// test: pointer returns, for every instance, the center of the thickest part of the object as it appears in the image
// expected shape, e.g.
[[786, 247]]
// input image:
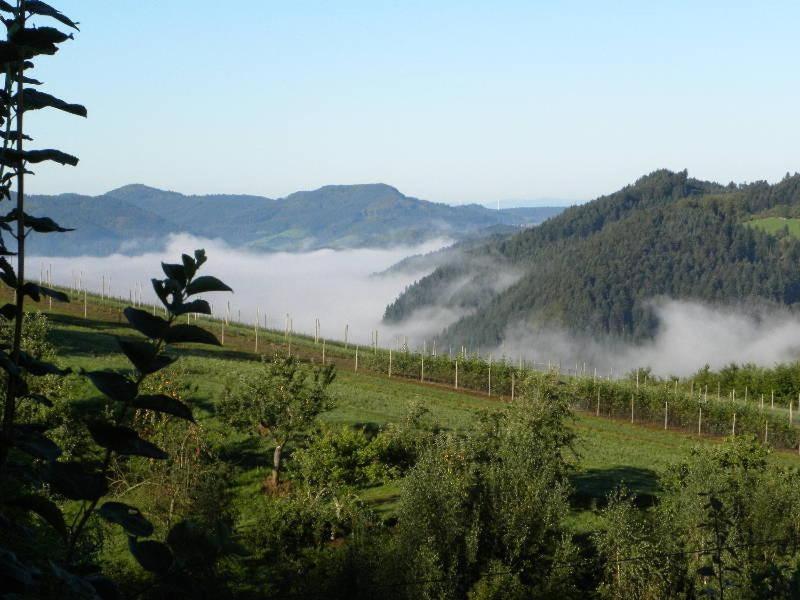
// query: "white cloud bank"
[[334, 286], [337, 288], [690, 335]]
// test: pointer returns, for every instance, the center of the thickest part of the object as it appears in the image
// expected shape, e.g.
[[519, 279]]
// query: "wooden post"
[[790, 413], [597, 413], [490, 376], [356, 359], [346, 328], [256, 330], [772, 399], [390, 361], [84, 304], [733, 430], [665, 415], [631, 408], [700, 422], [222, 337], [456, 386], [512, 386], [766, 430], [762, 403], [637, 379], [422, 367]]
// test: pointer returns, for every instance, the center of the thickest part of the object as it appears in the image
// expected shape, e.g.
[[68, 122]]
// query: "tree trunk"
[[276, 465]]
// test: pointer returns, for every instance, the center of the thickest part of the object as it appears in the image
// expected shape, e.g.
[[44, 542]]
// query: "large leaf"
[[195, 306], [62, 158], [37, 7], [35, 100], [164, 404], [38, 368], [191, 334], [30, 440], [114, 385], [124, 440], [151, 555], [189, 266], [206, 283], [128, 517], [45, 508], [8, 311], [141, 355], [149, 325], [41, 224], [176, 272], [36, 36], [37, 291], [72, 480]]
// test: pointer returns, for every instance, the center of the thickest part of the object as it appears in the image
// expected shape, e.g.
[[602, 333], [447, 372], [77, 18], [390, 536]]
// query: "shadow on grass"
[[592, 487], [247, 453]]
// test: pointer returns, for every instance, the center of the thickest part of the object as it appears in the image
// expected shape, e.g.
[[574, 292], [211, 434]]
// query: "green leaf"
[[149, 325], [36, 7], [141, 355], [151, 555], [176, 272], [189, 266], [72, 480], [30, 440], [190, 334], [124, 440], [204, 284], [128, 517], [115, 386], [8, 365], [45, 508], [35, 100], [13, 158], [164, 404], [200, 257], [195, 306], [8, 311], [38, 368], [40, 38], [37, 291]]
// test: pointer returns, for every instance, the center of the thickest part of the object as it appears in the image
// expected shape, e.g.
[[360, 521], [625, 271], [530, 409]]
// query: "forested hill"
[[596, 268], [135, 217]]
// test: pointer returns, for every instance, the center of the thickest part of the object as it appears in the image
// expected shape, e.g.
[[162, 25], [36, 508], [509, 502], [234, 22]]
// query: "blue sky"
[[447, 100]]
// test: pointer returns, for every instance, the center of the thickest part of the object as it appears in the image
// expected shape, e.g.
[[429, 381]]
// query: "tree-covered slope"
[[342, 216], [597, 268]]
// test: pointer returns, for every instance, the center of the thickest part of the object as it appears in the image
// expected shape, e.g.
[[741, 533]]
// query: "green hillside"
[[595, 268], [134, 218]]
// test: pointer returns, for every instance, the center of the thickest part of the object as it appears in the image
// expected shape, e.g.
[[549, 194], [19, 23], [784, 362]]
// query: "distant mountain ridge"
[[132, 218]]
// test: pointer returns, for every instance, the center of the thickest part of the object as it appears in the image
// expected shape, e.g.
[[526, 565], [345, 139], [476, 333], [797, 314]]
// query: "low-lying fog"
[[338, 288], [334, 286]]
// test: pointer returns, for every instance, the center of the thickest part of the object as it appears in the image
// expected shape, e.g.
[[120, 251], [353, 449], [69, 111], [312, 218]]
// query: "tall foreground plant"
[[24, 42], [32, 478]]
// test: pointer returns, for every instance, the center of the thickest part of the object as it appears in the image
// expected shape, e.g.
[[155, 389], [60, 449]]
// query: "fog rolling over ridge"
[[339, 288], [689, 336]]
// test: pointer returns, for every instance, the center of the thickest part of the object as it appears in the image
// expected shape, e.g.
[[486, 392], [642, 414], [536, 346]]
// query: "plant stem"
[[9, 409]]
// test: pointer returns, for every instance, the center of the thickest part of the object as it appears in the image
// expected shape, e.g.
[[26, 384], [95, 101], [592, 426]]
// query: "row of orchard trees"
[[674, 406]]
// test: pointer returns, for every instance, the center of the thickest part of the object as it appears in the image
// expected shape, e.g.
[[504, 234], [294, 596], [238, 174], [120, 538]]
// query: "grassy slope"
[[775, 224], [608, 451]]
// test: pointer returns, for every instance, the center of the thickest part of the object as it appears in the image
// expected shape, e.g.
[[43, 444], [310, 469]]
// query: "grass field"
[[607, 452], [775, 224]]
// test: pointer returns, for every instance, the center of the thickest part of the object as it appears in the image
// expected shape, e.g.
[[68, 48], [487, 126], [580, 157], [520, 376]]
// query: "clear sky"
[[446, 100]]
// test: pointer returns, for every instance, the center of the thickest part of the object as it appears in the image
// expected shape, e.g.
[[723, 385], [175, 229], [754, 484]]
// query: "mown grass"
[[773, 225], [608, 453]]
